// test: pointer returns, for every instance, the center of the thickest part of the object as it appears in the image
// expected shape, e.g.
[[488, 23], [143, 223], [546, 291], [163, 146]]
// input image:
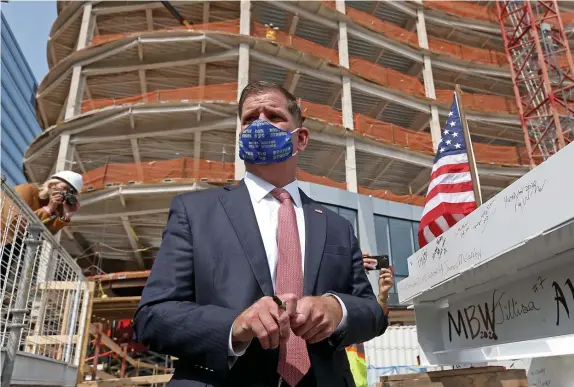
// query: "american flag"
[[450, 195]]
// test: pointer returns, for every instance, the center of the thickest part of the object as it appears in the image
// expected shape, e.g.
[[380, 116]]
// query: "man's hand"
[[316, 318], [386, 281], [266, 321]]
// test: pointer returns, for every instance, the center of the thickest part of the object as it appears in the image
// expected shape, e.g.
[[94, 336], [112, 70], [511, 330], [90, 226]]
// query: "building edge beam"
[[242, 76]]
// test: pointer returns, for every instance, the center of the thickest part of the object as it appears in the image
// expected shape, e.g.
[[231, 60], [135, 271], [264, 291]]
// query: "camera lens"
[[70, 198]]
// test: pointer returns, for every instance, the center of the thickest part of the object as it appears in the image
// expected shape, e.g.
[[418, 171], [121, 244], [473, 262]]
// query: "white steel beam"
[[127, 8], [167, 63], [110, 193], [226, 123]]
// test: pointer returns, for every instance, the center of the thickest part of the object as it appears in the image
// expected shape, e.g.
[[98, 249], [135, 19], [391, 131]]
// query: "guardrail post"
[[96, 350], [123, 368], [20, 308]]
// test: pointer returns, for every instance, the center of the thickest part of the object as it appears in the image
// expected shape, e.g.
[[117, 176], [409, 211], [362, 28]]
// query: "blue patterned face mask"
[[264, 143]]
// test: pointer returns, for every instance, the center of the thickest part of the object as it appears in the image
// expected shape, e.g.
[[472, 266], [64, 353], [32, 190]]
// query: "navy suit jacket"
[[212, 265]]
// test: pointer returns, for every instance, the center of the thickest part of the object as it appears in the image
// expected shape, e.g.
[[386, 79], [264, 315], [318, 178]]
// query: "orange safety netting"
[[395, 32], [198, 93], [366, 126], [408, 84], [214, 172]]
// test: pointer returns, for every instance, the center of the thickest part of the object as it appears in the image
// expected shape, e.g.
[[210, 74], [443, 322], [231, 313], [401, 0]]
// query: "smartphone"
[[382, 261]]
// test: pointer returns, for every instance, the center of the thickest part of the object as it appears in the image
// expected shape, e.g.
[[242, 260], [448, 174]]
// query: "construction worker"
[[54, 202]]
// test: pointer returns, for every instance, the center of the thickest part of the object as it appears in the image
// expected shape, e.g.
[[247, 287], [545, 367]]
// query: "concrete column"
[[64, 160], [428, 78], [347, 105], [196, 153], [242, 77], [78, 81]]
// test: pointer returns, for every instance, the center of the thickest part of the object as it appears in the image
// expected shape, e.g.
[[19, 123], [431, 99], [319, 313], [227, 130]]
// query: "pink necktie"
[[294, 360]]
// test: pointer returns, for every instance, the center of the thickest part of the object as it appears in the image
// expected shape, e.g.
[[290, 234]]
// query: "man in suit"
[[256, 284]]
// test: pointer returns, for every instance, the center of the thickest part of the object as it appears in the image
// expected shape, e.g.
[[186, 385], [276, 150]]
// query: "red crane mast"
[[542, 72]]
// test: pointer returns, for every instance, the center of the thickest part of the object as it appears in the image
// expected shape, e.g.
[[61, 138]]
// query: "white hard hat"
[[73, 179]]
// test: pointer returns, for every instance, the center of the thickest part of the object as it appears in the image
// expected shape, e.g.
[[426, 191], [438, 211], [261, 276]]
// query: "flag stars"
[[450, 114], [441, 150], [446, 132], [457, 146], [448, 142], [452, 123], [455, 134]]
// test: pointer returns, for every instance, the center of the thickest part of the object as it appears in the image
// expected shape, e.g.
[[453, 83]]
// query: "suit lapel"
[[315, 235], [237, 205]]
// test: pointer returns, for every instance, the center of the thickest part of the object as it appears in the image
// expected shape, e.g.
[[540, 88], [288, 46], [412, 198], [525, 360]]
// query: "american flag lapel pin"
[[318, 211]]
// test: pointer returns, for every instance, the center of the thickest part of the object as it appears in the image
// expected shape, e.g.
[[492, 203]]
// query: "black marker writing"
[[560, 299], [440, 248], [481, 319], [519, 198]]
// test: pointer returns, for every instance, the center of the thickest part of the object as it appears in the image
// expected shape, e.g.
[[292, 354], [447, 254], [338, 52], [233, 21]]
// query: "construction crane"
[[542, 72]]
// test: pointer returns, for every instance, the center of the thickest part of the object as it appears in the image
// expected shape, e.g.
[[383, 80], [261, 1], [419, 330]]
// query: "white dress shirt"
[[266, 209]]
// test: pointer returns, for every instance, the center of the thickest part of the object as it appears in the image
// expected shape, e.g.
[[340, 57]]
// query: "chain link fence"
[[45, 297]]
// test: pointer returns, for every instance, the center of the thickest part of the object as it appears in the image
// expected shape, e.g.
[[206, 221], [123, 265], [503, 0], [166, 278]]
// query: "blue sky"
[[31, 21]]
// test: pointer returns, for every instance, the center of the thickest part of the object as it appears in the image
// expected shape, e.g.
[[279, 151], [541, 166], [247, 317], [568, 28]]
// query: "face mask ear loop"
[[295, 131]]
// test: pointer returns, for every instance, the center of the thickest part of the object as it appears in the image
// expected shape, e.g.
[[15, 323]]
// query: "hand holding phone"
[[382, 262]]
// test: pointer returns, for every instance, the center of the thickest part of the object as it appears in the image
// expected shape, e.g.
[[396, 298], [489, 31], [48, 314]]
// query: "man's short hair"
[[262, 87]]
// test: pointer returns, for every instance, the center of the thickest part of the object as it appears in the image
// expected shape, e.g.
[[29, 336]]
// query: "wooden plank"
[[442, 374], [468, 377], [118, 350], [86, 337], [49, 339], [136, 380], [509, 378], [87, 369], [57, 285]]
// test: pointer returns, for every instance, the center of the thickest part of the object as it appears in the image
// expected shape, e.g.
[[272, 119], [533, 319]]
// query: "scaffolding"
[[45, 297], [542, 72]]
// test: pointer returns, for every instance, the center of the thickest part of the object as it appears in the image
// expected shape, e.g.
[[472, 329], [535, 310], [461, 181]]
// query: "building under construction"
[[141, 98]]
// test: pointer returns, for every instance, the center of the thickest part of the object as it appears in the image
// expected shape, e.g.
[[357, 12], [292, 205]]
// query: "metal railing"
[[45, 297]]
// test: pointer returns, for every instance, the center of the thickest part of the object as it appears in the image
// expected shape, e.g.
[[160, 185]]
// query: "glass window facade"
[[397, 238], [347, 213], [19, 125]]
